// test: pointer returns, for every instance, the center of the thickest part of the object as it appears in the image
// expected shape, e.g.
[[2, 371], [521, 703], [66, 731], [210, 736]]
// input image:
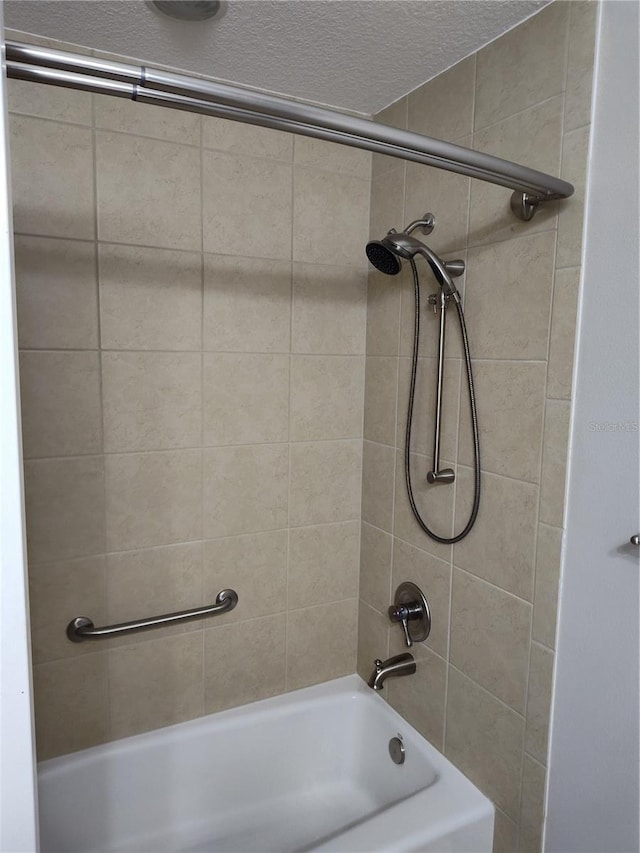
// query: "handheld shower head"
[[384, 255]]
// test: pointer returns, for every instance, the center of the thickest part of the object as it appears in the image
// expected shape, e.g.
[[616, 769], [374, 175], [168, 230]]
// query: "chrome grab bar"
[[82, 628]]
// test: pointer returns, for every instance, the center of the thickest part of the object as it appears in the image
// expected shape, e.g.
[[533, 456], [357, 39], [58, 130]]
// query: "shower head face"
[[383, 258]]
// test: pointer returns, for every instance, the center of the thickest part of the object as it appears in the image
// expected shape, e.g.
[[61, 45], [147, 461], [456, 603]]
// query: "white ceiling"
[[356, 55]]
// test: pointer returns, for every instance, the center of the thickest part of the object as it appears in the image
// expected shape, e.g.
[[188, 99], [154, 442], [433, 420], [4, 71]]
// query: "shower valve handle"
[[411, 606], [402, 613]]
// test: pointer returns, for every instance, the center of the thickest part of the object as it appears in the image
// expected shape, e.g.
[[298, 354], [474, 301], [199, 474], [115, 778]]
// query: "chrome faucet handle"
[[410, 605]]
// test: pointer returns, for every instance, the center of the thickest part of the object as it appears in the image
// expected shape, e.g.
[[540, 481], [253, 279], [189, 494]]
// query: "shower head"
[[384, 255], [383, 258]]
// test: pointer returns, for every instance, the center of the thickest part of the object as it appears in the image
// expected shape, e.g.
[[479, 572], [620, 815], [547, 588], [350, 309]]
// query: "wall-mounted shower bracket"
[[524, 205], [455, 268]]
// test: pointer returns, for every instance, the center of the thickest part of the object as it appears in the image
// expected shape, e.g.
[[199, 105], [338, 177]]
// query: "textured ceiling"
[[357, 55]]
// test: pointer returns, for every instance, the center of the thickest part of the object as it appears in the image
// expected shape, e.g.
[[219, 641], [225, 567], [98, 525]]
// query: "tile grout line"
[[289, 413], [458, 432], [96, 263], [203, 665]]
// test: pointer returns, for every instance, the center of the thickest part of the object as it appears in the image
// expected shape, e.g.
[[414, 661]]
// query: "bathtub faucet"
[[399, 665]]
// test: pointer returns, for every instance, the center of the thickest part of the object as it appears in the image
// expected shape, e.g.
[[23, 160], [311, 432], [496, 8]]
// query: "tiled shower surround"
[[193, 324], [192, 361], [483, 684]]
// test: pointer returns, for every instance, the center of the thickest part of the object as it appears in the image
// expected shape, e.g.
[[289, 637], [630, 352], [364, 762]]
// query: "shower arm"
[[198, 95]]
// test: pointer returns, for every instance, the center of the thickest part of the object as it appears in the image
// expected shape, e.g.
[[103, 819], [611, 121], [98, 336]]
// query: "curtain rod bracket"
[[524, 205]]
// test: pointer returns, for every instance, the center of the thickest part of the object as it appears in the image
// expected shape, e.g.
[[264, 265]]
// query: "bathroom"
[[213, 393]]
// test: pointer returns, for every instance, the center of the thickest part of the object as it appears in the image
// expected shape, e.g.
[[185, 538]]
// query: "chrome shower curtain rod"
[[193, 94]]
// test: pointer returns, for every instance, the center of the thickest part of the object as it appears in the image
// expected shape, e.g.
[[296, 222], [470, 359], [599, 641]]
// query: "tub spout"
[[399, 665]]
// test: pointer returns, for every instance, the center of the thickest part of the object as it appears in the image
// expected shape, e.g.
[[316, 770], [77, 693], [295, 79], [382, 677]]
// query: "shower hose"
[[474, 420]]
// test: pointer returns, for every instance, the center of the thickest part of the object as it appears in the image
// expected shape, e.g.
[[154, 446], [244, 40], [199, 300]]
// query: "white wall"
[[593, 774], [18, 824]]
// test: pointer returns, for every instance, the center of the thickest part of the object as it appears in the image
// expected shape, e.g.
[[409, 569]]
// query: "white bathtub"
[[306, 771]]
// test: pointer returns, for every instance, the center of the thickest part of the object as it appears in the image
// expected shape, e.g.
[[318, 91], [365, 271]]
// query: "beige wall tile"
[[443, 107], [155, 684], [329, 310], [375, 567], [563, 328], [69, 105], [508, 311], [545, 602], [554, 461], [245, 489], [154, 581], [255, 566], [52, 178], [582, 40], [484, 739], [435, 504], [395, 115], [532, 807], [433, 576], [152, 400], [510, 404], [323, 564], [331, 214], [325, 482], [60, 398], [148, 120], [70, 697], [532, 137], [240, 139], [321, 643], [246, 398], [134, 206], [247, 304], [58, 592], [150, 299], [64, 501], [56, 293], [153, 498], [387, 201], [490, 632], [539, 702], [424, 407], [332, 157], [524, 67], [373, 639], [500, 547], [383, 314], [381, 390], [246, 206], [326, 397], [378, 465], [256, 649], [446, 195], [420, 698], [570, 221], [505, 834]]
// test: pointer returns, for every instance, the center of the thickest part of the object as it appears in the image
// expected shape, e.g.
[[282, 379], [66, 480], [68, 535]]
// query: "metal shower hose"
[[474, 420]]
